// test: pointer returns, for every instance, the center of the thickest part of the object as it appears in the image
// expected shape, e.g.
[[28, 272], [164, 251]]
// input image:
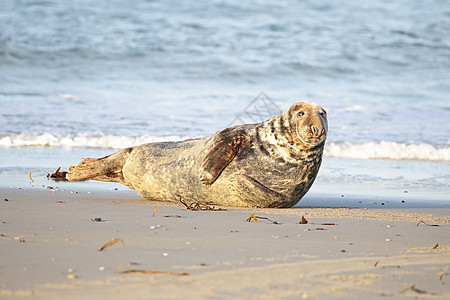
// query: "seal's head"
[[308, 124]]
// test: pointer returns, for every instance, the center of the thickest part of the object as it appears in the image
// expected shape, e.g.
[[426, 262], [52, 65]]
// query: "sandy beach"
[[50, 245]]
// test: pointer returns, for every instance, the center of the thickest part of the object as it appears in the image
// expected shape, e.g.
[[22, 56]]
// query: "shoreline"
[[50, 248]]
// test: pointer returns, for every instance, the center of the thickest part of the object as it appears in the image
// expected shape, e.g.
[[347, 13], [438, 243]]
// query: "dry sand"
[[49, 248]]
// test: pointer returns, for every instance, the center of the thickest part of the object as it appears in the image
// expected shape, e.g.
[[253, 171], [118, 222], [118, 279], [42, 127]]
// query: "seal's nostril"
[[314, 130]]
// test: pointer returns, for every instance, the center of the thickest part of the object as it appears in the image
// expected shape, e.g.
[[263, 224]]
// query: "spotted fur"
[[269, 164]]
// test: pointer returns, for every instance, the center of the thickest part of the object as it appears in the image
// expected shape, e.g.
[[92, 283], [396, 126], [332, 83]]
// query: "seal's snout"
[[315, 131]]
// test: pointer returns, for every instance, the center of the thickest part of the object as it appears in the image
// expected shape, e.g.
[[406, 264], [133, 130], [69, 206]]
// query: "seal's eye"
[[322, 114], [301, 113]]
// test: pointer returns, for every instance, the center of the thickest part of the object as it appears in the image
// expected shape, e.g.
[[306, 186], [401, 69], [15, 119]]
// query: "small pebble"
[[6, 199], [101, 268], [96, 219], [165, 254], [72, 276], [387, 240]]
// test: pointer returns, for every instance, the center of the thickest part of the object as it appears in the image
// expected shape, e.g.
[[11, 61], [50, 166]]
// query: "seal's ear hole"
[[301, 113]]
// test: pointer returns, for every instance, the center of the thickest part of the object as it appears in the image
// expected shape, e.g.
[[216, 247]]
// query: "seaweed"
[[136, 271], [110, 243], [255, 218], [303, 220], [426, 224], [199, 205], [57, 175]]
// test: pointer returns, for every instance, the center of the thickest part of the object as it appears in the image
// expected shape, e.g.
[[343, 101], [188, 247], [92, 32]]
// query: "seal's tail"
[[108, 168]]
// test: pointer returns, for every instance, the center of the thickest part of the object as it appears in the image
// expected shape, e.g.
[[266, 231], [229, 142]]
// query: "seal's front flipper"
[[96, 168], [226, 145], [256, 194]]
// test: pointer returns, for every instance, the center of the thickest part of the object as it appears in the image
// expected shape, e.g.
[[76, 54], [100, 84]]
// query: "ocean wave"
[[388, 150], [81, 140], [369, 150]]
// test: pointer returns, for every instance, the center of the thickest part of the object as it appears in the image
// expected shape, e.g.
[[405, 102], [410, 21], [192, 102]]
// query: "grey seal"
[[268, 164]]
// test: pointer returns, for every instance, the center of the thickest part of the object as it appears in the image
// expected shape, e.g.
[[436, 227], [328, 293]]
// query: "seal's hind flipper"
[[96, 168], [227, 143], [257, 195]]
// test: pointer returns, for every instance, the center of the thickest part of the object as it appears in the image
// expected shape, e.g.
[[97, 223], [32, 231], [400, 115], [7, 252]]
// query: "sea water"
[[84, 78]]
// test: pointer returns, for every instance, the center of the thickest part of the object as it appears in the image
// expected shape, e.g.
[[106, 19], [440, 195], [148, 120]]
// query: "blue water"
[[85, 77]]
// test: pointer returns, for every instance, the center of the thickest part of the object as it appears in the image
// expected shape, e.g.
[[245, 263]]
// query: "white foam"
[[81, 140], [370, 150], [388, 150]]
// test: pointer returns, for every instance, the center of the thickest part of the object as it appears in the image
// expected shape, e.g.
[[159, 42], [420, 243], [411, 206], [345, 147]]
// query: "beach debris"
[[57, 175], [172, 216], [303, 220], [426, 224], [72, 276], [252, 216], [199, 205], [96, 219], [5, 200], [391, 266], [153, 272], [318, 228], [376, 263], [19, 239], [32, 180], [59, 201], [154, 211], [435, 246], [328, 224], [137, 271], [255, 218], [414, 289], [110, 243]]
